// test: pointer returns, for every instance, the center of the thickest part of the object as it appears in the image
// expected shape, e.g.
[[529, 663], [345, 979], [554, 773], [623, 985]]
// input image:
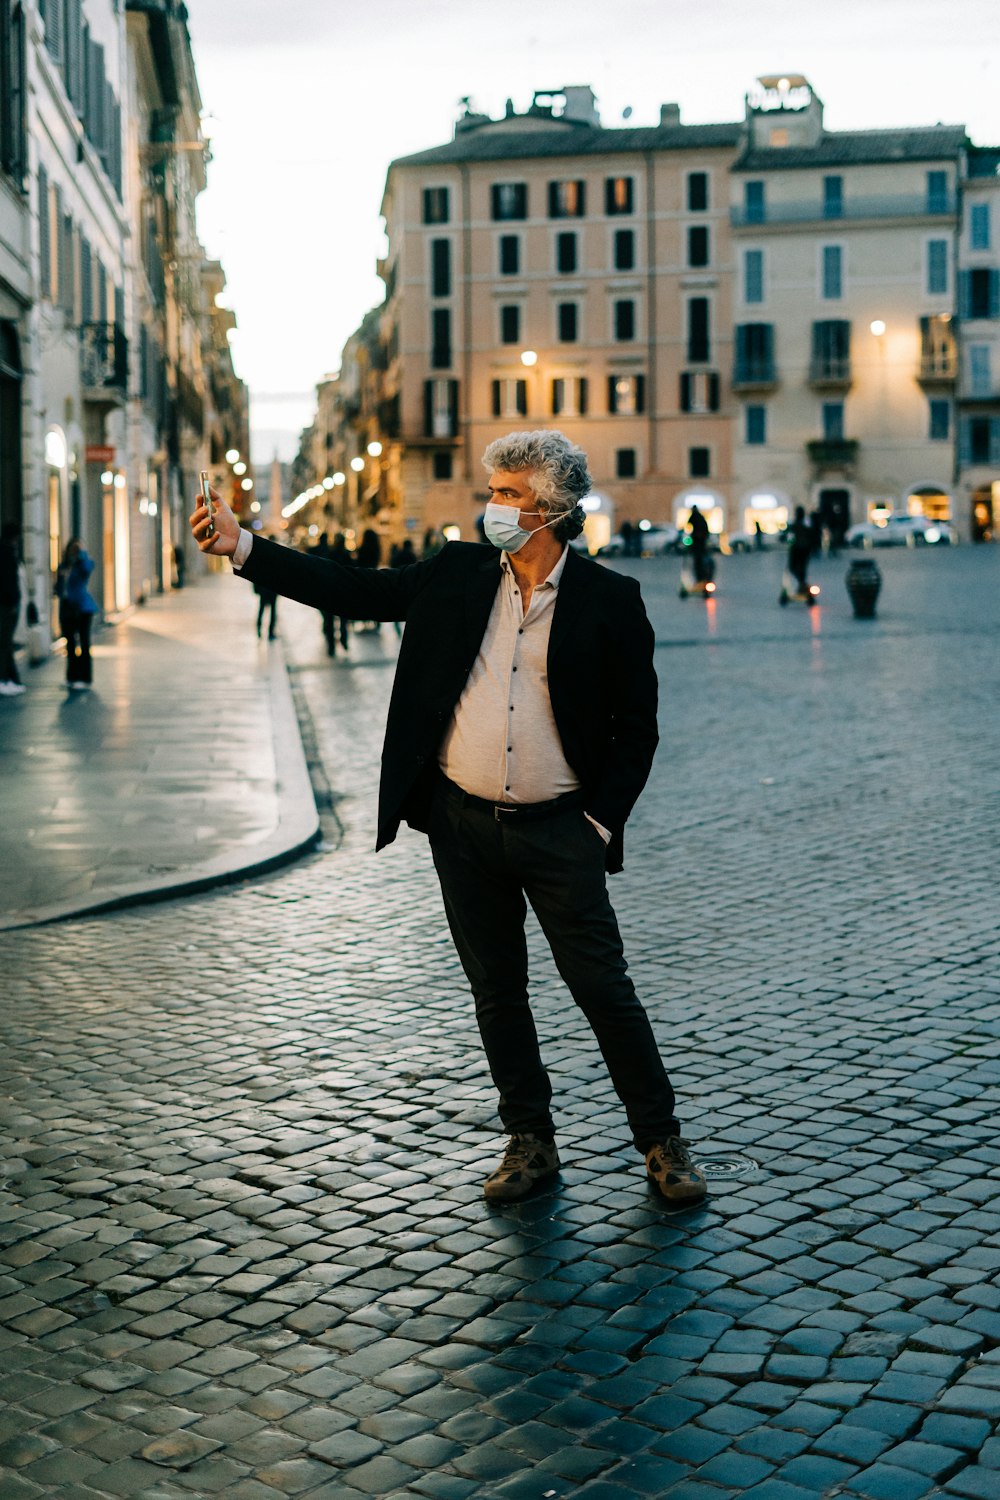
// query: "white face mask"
[[502, 526]]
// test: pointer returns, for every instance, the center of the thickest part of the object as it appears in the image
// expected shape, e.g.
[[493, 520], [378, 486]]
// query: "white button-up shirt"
[[502, 742]]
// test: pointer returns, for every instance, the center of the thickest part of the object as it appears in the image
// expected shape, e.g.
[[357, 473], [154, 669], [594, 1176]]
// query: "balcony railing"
[[884, 206], [832, 453], [938, 367], [831, 372], [754, 374], [103, 362]]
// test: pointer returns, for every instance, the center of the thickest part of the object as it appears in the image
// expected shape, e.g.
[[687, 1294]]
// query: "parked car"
[[902, 531], [748, 541], [651, 542]]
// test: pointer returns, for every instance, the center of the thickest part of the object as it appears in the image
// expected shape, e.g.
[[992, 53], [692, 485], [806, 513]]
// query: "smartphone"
[[208, 501]]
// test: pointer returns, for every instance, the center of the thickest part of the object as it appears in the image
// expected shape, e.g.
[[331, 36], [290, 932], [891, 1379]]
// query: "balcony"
[[938, 367], [832, 453], [813, 211], [103, 364], [830, 373], [754, 375]]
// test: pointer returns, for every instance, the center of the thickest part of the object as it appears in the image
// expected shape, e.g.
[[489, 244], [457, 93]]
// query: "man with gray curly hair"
[[521, 731]]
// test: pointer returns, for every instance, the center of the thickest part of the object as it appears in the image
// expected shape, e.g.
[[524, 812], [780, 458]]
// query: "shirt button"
[[515, 669], [509, 749], [506, 788]]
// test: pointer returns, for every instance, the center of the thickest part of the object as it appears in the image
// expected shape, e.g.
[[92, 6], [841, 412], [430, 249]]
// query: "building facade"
[[106, 337], [753, 315]]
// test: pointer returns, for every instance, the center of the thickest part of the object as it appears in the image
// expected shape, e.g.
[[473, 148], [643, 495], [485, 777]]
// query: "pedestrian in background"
[[268, 601], [10, 607], [402, 555], [369, 555], [698, 527], [76, 613], [522, 728], [800, 545]]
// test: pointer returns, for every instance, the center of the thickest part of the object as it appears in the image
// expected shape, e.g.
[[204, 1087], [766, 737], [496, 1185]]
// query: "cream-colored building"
[[844, 300], [979, 324], [545, 271], [754, 315]]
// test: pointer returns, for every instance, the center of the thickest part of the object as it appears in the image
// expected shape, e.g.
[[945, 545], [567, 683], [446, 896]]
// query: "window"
[[754, 354], [937, 193], [699, 463], [13, 93], [567, 200], [566, 322], [699, 390], [832, 273], [440, 338], [624, 249], [624, 320], [979, 226], [618, 195], [833, 421], [510, 324], [625, 466], [980, 382], [979, 293], [626, 395], [569, 396], [938, 419], [566, 251], [753, 202], [753, 276], [440, 408], [697, 192], [436, 210], [440, 268], [833, 197], [442, 464], [698, 345], [509, 200], [831, 350], [937, 267], [698, 245], [938, 351], [510, 398], [510, 254], [755, 425], [979, 440]]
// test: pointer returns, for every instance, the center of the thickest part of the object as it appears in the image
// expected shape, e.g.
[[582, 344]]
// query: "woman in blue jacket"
[[76, 612]]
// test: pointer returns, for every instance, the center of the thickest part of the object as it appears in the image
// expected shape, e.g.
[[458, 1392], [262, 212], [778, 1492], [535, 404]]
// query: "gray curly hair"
[[556, 470]]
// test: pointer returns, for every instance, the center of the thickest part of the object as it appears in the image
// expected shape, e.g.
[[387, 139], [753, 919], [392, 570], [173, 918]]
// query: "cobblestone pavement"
[[245, 1251]]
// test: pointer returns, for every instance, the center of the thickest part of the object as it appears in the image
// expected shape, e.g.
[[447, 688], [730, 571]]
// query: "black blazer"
[[602, 682]]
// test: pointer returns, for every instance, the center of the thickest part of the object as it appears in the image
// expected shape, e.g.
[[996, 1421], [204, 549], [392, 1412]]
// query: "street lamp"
[[375, 450], [232, 456], [239, 468], [357, 464], [529, 358], [877, 327]]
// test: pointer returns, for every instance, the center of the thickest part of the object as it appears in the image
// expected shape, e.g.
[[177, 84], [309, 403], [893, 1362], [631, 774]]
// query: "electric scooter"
[[792, 592], [703, 587]]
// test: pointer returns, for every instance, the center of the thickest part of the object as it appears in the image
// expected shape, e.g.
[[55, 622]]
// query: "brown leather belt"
[[514, 812]]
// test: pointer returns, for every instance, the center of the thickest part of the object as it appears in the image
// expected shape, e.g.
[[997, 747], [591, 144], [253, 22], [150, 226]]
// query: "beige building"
[[979, 323], [544, 271], [844, 299]]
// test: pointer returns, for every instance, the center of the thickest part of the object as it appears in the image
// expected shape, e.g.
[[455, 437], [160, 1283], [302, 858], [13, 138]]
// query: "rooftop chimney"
[[670, 114]]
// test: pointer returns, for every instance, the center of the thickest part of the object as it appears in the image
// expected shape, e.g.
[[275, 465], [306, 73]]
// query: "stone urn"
[[863, 580]]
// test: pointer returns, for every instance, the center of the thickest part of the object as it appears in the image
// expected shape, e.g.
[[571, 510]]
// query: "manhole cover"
[[715, 1167]]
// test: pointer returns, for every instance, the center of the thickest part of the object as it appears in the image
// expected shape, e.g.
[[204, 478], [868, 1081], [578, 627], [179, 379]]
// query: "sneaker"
[[526, 1162], [672, 1172], [11, 689]]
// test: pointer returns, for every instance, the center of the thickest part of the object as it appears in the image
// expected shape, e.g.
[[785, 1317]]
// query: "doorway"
[[835, 514]]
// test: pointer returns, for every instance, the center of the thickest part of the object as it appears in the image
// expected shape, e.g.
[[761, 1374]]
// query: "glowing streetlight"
[[375, 449], [107, 477], [232, 456], [246, 484], [357, 464], [239, 468], [339, 479], [877, 327], [529, 358]]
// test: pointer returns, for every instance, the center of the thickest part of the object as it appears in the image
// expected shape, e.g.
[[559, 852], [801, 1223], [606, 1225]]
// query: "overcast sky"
[[307, 101]]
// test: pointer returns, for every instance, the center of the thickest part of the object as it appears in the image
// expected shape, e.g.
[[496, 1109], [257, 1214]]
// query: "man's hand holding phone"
[[213, 525]]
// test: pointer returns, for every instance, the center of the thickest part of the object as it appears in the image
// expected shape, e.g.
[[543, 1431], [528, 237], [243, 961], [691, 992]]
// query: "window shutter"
[[994, 297], [995, 440], [582, 389], [713, 391], [521, 392], [54, 27], [612, 395], [44, 242], [557, 397], [964, 294], [496, 397], [453, 406], [640, 393], [428, 407], [67, 268], [965, 441], [686, 389], [86, 282]]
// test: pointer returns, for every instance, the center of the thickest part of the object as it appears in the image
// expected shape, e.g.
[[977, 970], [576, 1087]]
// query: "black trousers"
[[75, 626], [488, 870]]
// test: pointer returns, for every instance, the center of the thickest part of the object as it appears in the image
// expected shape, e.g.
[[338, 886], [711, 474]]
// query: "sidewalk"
[[182, 767]]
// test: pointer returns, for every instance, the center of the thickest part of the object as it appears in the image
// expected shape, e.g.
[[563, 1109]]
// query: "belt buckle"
[[498, 808]]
